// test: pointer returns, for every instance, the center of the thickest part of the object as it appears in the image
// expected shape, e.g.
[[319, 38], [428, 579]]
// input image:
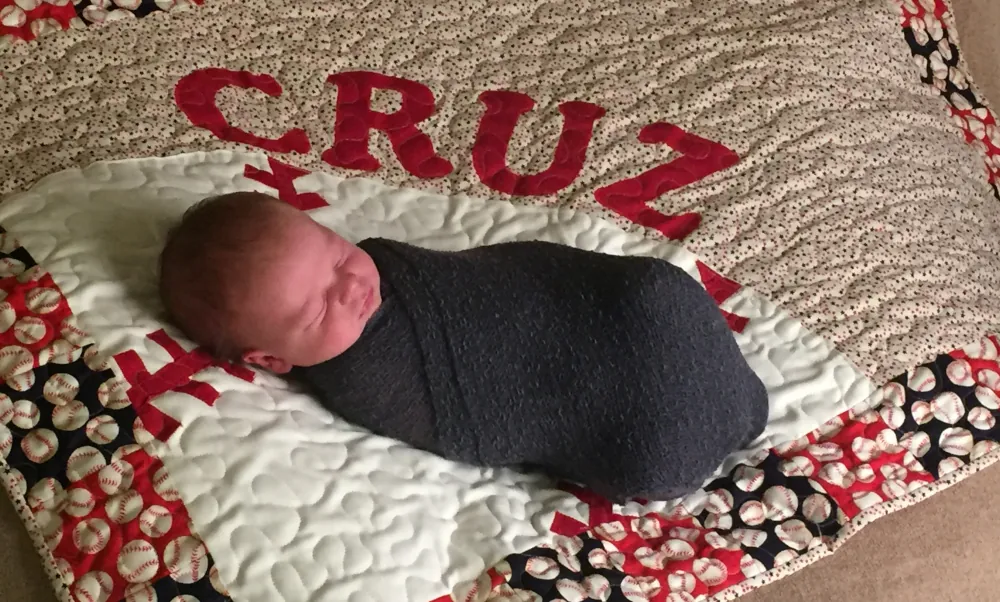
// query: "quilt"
[[799, 159]]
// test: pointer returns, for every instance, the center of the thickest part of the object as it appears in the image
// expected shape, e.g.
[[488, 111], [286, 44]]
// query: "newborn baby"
[[618, 373]]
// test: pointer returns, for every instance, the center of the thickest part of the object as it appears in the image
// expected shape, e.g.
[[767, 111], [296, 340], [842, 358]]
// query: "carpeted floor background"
[[937, 550]]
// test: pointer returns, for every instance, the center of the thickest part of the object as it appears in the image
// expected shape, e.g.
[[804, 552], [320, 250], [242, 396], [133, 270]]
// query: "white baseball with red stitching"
[[155, 521], [836, 473], [79, 502], [678, 549], [10, 267], [29, 330], [140, 433], [71, 331], [719, 501], [126, 450], [613, 531], [15, 360], [681, 581], [59, 351], [921, 379], [22, 382], [71, 416], [750, 538], [138, 561], [816, 508], [751, 567], [571, 591], [84, 462], [163, 485], [948, 407], [865, 449], [8, 242], [61, 388], [959, 372], [6, 409], [115, 477], [984, 350], [185, 559], [40, 445], [124, 507], [12, 16], [893, 394], [46, 495], [94, 586], [647, 527], [827, 451], [956, 441], [780, 502], [42, 300], [6, 441], [710, 571], [26, 414], [102, 429], [794, 534], [7, 316], [893, 416], [797, 466], [95, 360], [893, 489], [598, 587], [113, 394], [140, 592], [989, 378], [65, 571], [635, 589], [949, 465], [981, 419], [864, 473], [91, 535], [866, 499], [542, 568]]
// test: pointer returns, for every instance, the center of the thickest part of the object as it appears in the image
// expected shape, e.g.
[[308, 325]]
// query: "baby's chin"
[[345, 342]]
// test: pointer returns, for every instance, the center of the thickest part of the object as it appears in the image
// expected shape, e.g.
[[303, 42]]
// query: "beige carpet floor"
[[937, 550]]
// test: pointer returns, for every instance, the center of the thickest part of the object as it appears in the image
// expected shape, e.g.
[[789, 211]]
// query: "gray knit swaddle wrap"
[[618, 373]]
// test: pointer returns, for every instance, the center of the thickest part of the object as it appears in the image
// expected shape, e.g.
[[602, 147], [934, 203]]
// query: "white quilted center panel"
[[294, 503]]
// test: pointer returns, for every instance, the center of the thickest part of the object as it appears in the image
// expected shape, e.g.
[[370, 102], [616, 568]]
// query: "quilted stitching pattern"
[[308, 474]]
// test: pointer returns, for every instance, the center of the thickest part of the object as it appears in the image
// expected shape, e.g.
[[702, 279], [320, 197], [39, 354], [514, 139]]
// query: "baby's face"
[[309, 297]]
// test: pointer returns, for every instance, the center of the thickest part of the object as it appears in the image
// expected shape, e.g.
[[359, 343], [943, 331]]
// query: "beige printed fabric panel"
[[789, 144]]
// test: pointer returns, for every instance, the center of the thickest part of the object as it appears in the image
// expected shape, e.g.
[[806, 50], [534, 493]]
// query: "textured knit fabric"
[[618, 373]]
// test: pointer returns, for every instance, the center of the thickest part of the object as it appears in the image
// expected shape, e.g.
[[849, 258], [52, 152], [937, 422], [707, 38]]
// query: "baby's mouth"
[[366, 304]]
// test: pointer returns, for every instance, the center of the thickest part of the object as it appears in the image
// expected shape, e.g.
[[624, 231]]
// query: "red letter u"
[[489, 153]]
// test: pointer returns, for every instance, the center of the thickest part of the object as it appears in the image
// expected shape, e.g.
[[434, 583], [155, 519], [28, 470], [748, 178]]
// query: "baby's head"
[[254, 279]]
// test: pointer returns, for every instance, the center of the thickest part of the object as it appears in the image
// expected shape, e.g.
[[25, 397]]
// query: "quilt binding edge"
[[59, 586], [856, 525]]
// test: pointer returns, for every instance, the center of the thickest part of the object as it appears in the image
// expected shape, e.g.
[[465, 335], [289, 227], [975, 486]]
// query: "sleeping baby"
[[618, 373]]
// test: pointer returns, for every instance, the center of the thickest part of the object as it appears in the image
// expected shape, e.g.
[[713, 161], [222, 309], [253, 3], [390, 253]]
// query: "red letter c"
[[195, 96]]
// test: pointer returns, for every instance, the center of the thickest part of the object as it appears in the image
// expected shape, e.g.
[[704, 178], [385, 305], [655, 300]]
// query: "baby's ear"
[[266, 361]]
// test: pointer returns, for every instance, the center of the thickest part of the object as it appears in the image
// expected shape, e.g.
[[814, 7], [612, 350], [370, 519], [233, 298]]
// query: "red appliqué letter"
[[699, 159], [355, 119], [195, 96], [282, 178], [489, 153]]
